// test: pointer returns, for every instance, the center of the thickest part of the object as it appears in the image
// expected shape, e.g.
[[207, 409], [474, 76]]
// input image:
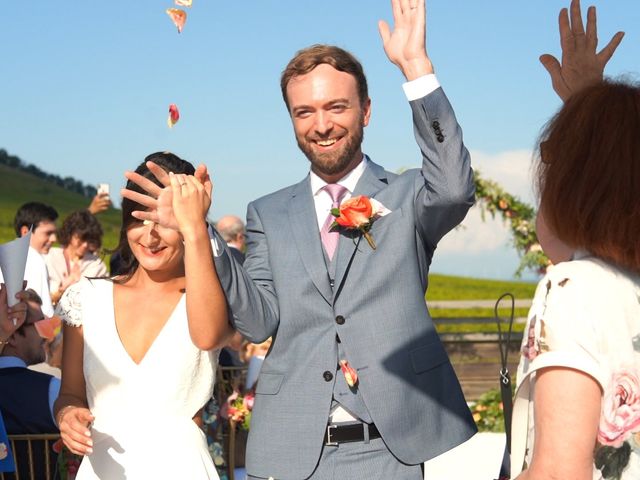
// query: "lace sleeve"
[[69, 308]]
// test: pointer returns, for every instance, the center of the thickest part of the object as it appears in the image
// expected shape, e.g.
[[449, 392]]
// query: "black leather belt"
[[336, 434]]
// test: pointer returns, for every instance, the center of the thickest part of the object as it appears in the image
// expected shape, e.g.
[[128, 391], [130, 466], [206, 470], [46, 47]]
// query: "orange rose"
[[350, 375], [355, 212]]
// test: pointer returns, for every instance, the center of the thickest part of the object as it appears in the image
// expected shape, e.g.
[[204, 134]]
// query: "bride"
[[140, 348]]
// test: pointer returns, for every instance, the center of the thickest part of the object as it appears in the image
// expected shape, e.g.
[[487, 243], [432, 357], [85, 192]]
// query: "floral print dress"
[[586, 316]]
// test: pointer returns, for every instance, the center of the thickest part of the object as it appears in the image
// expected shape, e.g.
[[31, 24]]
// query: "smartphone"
[[103, 189]]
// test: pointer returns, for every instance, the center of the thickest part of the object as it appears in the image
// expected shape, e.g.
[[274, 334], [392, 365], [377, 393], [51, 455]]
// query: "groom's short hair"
[[309, 58]]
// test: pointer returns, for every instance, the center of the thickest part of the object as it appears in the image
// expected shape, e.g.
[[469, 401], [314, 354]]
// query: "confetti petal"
[[49, 327], [350, 375], [174, 115], [184, 3], [178, 16]]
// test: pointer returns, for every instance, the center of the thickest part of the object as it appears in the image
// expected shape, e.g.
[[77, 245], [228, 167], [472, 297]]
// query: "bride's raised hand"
[[191, 201]]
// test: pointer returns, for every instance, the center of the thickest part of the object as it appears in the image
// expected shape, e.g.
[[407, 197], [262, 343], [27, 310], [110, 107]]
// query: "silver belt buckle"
[[329, 442]]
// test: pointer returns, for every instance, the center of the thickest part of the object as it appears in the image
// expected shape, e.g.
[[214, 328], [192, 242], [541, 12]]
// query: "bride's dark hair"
[[169, 163]]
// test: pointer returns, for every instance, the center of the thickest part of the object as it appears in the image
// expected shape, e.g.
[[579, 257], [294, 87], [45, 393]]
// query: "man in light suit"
[[352, 304]]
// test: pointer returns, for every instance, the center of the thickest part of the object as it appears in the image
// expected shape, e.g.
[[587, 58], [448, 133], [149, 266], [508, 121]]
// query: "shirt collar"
[[9, 362], [349, 181]]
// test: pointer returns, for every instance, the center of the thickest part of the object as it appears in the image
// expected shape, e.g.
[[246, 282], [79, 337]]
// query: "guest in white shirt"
[[41, 220]]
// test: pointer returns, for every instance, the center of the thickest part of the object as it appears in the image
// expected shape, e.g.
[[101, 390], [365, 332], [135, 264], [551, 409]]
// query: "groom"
[[357, 383]]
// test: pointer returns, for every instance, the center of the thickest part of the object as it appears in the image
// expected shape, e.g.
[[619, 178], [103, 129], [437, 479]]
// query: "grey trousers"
[[361, 461]]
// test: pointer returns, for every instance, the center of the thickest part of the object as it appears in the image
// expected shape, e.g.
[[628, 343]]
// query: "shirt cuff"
[[217, 251], [420, 87]]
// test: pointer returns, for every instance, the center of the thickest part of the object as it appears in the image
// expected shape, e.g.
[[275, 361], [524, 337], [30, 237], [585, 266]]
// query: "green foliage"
[[488, 412], [489, 327], [445, 287], [437, 313], [18, 187]]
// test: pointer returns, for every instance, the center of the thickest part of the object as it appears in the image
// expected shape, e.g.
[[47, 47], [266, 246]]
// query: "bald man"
[[231, 228]]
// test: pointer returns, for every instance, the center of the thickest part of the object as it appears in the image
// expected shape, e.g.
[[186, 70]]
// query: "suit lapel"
[[304, 227], [373, 179]]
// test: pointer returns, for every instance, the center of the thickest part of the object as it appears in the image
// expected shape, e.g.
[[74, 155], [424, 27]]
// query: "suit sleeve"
[[249, 288], [446, 188]]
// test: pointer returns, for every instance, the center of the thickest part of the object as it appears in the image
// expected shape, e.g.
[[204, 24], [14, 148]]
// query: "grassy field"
[[444, 287]]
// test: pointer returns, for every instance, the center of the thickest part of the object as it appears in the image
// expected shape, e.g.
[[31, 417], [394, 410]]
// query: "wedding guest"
[[140, 349], [232, 230], [357, 383], [27, 396], [577, 408], [80, 232], [41, 220], [26, 403], [49, 329]]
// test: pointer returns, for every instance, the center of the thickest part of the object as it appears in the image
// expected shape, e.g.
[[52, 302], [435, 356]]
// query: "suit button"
[[435, 124], [340, 320], [327, 375], [440, 138]]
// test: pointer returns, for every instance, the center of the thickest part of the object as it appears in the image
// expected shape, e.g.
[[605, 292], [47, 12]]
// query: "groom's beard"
[[336, 161]]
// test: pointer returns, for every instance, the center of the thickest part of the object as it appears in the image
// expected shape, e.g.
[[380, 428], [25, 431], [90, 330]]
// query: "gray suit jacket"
[[284, 291]]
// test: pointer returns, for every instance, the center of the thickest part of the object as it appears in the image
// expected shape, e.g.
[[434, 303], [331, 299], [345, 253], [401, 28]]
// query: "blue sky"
[[86, 88]]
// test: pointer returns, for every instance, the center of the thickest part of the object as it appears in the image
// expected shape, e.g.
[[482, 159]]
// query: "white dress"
[[143, 426]]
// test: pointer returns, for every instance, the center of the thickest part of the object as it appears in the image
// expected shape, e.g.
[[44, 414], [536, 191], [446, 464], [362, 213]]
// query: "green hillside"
[[18, 187]]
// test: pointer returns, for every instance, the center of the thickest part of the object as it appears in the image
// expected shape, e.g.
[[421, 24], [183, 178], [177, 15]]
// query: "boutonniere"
[[359, 213]]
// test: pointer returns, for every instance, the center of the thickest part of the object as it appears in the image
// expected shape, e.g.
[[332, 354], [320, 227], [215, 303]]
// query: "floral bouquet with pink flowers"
[[238, 408]]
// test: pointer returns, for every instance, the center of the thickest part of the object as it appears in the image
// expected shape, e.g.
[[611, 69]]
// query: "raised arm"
[[581, 64], [206, 303], [405, 44]]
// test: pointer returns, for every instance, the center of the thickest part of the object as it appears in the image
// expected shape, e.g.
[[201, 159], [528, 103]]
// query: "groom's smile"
[[328, 119]]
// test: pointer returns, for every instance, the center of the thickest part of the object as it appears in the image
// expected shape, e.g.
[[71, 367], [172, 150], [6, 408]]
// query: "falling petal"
[[178, 16], [350, 374], [49, 327], [184, 3], [174, 115]]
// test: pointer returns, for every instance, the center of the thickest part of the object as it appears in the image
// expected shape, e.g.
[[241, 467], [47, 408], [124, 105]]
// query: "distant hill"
[[18, 187]]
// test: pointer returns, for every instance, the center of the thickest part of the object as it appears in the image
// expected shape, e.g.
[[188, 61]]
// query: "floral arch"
[[520, 217]]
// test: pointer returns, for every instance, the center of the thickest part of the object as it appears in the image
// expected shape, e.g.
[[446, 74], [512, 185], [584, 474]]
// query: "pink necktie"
[[329, 238]]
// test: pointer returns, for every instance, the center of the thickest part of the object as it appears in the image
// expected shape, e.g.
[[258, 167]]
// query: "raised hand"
[[11, 318], [581, 65], [190, 201], [74, 423], [405, 45], [159, 200], [99, 203]]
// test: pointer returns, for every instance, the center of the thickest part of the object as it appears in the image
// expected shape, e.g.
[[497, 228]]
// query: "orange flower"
[[502, 204], [179, 17], [355, 212], [350, 375]]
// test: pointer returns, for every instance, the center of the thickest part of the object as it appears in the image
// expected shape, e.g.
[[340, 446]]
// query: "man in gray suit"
[[396, 401]]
